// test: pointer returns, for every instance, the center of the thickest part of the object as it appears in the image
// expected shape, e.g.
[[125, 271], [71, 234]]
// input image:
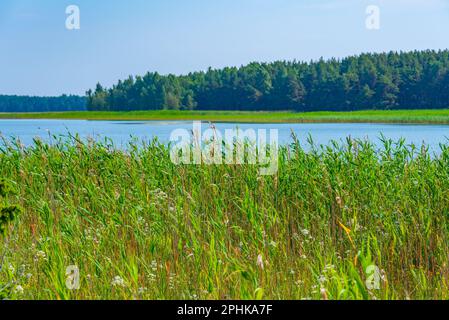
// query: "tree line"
[[42, 104], [393, 80]]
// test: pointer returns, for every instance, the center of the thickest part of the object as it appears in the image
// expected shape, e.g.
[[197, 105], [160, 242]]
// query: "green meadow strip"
[[440, 116]]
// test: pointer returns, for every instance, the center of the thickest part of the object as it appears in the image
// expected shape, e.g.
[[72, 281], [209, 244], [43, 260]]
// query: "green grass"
[[223, 232], [396, 116]]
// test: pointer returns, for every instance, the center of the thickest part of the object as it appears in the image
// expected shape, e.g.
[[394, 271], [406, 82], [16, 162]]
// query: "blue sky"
[[39, 56]]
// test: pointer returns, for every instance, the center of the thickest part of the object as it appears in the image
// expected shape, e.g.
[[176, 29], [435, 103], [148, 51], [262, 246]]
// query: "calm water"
[[121, 132]]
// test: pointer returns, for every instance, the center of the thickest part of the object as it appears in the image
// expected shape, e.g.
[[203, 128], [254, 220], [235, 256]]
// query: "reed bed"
[[139, 227]]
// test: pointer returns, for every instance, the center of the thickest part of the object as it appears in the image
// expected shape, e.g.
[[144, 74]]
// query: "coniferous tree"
[[391, 80]]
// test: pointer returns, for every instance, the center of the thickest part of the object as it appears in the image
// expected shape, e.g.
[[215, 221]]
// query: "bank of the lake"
[[440, 116]]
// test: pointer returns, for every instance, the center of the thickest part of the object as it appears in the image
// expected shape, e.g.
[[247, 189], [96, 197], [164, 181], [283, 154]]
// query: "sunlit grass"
[[140, 227], [387, 116]]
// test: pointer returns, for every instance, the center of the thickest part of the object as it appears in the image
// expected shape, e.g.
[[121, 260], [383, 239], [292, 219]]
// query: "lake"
[[121, 132]]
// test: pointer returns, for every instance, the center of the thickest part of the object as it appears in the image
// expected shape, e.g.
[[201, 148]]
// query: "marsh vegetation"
[[140, 227]]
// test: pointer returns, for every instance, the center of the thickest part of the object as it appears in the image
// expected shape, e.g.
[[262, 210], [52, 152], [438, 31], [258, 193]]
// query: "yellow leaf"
[[348, 233]]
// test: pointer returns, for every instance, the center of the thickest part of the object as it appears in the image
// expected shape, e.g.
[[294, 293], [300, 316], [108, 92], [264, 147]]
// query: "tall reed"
[[139, 227]]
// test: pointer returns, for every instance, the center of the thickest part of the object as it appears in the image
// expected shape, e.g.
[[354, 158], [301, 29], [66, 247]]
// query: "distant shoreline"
[[438, 116]]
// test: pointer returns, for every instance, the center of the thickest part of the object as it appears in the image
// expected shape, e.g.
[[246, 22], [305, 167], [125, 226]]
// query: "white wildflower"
[[18, 289], [152, 277], [118, 282], [159, 194], [142, 290], [322, 279], [40, 255], [154, 265], [171, 282]]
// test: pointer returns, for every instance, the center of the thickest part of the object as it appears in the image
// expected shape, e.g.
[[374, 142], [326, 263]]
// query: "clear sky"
[[39, 56]]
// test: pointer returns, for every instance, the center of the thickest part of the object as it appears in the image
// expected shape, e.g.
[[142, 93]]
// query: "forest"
[[393, 80], [41, 104]]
